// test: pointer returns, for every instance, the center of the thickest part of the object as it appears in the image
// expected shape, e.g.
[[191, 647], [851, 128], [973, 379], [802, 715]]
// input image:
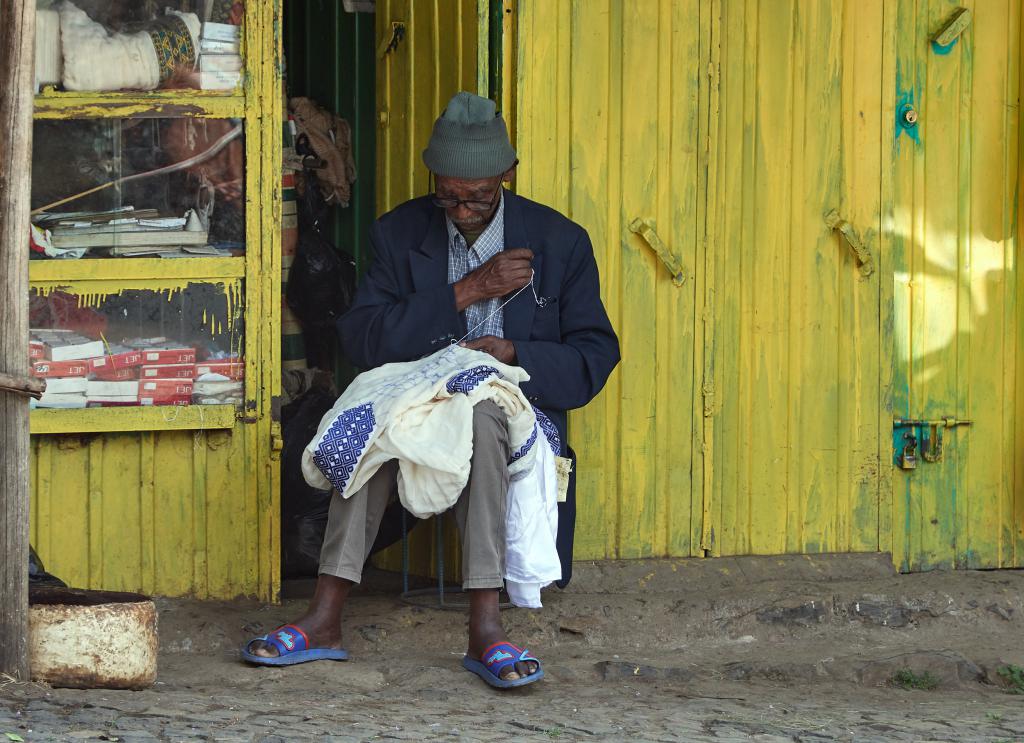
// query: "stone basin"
[[92, 639]]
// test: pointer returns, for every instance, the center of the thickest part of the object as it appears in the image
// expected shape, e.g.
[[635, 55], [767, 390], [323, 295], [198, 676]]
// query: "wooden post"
[[17, 78]]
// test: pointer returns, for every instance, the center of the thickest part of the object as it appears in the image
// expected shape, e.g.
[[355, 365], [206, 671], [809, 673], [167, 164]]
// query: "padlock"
[[908, 457]]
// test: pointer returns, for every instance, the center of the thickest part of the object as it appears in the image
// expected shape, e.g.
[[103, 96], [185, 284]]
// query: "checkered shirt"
[[463, 260]]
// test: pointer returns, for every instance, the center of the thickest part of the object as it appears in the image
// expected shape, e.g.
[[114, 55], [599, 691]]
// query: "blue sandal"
[[496, 659], [292, 647]]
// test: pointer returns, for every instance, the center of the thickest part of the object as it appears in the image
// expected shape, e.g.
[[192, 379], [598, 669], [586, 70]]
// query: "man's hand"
[[503, 274], [501, 349]]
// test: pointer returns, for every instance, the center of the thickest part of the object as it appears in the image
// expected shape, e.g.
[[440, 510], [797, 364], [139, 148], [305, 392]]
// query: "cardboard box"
[[171, 400], [168, 355], [165, 388], [217, 388], [111, 374], [66, 385], [225, 32], [100, 389], [118, 358], [48, 369], [59, 400], [74, 349], [233, 370], [168, 371]]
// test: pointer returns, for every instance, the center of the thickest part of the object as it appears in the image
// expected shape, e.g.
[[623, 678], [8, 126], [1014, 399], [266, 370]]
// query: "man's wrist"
[[466, 293]]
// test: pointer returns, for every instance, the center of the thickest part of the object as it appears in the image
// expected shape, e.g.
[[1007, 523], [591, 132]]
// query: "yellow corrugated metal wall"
[[753, 409]]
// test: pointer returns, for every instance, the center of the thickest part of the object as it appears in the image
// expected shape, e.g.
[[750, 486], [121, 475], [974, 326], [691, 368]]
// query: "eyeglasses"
[[471, 204]]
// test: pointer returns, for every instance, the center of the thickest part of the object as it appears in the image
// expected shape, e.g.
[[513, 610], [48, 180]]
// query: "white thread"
[[540, 303]]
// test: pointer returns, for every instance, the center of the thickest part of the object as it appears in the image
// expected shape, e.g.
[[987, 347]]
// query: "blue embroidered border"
[[343, 443], [525, 448], [550, 431], [466, 381]]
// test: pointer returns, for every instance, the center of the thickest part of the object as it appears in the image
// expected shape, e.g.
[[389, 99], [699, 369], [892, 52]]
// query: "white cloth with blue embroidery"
[[421, 413]]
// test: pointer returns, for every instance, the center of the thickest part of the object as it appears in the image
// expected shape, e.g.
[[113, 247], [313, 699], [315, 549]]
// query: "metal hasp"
[[929, 433], [390, 42], [956, 25], [645, 230], [865, 262]]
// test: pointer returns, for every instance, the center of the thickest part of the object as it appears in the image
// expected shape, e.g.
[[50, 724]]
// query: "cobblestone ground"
[[798, 661], [435, 702]]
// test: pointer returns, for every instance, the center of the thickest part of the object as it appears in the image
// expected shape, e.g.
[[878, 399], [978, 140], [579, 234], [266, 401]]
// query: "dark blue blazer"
[[405, 308]]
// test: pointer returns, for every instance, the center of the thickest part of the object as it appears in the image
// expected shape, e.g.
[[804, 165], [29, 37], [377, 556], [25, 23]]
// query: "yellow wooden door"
[[611, 129], [745, 415], [792, 371], [957, 290]]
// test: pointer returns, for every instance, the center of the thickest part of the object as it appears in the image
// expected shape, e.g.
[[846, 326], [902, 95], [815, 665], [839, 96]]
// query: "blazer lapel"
[[519, 312], [429, 261]]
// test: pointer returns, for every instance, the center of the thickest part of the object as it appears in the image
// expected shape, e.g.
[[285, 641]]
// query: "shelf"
[[141, 418], [51, 104], [128, 269]]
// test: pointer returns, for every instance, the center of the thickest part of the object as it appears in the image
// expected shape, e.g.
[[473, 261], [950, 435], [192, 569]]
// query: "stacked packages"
[[220, 60], [82, 372]]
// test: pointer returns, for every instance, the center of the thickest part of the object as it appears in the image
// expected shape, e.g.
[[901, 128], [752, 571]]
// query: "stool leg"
[[405, 555], [439, 546]]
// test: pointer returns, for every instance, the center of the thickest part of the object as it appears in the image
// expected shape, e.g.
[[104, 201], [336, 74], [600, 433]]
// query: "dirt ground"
[[765, 649]]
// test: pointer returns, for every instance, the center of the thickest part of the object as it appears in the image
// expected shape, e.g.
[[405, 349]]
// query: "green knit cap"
[[469, 140]]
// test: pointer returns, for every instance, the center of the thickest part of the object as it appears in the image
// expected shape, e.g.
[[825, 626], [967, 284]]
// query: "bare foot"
[[322, 620], [485, 630]]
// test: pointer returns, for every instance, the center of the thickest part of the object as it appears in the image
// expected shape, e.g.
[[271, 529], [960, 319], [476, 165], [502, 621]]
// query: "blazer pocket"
[[546, 325]]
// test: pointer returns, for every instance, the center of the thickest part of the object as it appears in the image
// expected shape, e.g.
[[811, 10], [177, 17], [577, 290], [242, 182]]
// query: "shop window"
[[115, 188], [139, 45], [179, 345]]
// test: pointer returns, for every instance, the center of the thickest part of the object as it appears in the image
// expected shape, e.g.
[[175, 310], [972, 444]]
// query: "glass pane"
[[106, 188], [101, 45], [175, 346]]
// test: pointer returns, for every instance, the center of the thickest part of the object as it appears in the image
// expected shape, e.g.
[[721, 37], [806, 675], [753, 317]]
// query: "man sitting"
[[447, 267]]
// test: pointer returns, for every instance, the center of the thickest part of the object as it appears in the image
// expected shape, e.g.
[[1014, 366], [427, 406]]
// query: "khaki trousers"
[[352, 523]]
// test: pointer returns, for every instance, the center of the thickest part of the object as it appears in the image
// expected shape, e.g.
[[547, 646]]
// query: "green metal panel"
[[330, 58]]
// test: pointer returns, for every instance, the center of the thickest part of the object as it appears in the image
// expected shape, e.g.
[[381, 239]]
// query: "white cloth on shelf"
[[96, 59], [421, 414]]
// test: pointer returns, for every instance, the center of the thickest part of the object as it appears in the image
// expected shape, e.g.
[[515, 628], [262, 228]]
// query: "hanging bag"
[[322, 281]]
